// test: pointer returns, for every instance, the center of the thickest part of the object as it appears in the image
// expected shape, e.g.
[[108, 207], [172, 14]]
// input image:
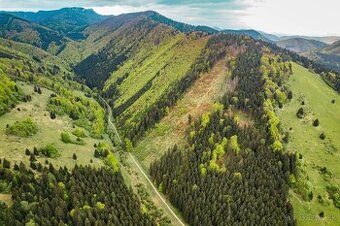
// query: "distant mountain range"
[[301, 45], [22, 30], [68, 21], [250, 32], [51, 30]]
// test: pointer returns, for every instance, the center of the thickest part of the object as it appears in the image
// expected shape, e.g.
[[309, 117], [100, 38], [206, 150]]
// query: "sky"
[[289, 17]]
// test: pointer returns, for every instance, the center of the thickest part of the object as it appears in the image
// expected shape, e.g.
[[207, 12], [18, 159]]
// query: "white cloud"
[[303, 17]]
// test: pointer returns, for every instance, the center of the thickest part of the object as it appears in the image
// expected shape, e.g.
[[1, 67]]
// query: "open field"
[[171, 129], [13, 147], [316, 153]]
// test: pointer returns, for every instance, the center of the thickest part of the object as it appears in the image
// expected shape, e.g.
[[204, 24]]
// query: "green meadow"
[[319, 165], [49, 132]]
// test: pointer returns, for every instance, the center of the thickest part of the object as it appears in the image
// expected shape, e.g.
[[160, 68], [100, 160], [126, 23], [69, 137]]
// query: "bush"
[[79, 133], [65, 137], [23, 128], [6, 164], [300, 113], [112, 162], [52, 115], [322, 136], [290, 95], [50, 151], [102, 150], [316, 123]]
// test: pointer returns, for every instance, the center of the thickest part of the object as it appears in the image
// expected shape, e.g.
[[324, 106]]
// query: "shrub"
[[322, 136], [6, 164], [112, 162], [102, 150], [52, 115], [334, 193], [32, 158], [23, 128], [321, 214], [316, 123], [79, 133], [50, 151], [290, 95], [300, 113], [65, 137]]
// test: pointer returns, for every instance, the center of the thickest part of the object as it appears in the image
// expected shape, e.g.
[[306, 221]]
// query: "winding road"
[[137, 164]]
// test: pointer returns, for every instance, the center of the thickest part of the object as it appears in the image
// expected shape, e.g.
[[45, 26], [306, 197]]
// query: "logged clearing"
[[317, 96], [197, 100], [6, 198], [49, 132]]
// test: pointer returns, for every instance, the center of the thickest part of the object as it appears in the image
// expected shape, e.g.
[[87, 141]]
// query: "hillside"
[[329, 56], [318, 157], [300, 45], [69, 21], [326, 39], [178, 25], [154, 58], [333, 49], [20, 30], [252, 33]]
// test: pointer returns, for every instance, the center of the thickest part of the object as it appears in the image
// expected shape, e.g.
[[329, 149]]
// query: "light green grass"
[[13, 147], [304, 139]]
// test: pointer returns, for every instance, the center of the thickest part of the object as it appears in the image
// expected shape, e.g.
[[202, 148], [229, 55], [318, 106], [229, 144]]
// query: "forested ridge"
[[229, 175]]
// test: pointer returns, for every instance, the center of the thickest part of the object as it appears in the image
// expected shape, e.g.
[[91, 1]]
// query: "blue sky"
[[301, 17]]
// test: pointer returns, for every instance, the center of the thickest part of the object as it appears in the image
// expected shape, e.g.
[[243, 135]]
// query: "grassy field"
[[172, 128], [309, 88], [13, 147]]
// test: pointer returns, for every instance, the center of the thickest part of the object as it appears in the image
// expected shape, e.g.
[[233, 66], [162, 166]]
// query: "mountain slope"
[[118, 27], [142, 59], [300, 45], [316, 153], [17, 29], [178, 25], [326, 39], [252, 33], [69, 21], [333, 49]]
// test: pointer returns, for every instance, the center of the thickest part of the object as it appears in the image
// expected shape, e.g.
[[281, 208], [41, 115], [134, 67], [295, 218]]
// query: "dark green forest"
[[81, 196]]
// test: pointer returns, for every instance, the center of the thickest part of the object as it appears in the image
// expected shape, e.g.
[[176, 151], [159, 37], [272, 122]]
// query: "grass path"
[[173, 216]]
